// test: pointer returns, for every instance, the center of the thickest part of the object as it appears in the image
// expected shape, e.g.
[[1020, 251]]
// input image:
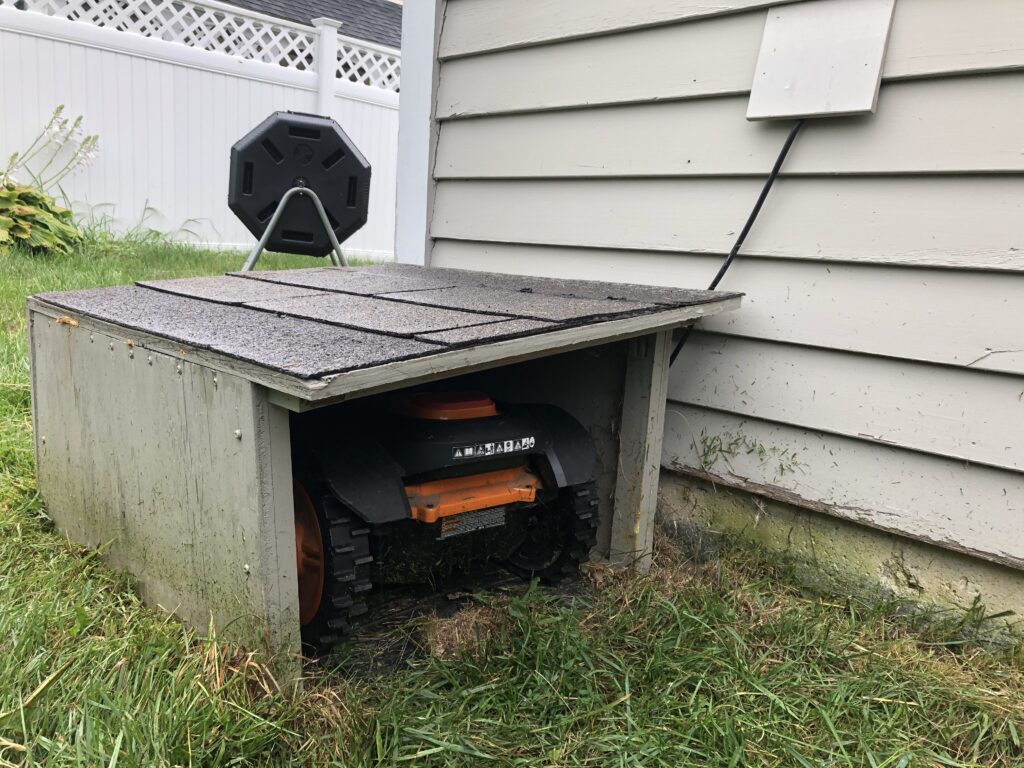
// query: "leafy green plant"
[[31, 218], [61, 148], [29, 215]]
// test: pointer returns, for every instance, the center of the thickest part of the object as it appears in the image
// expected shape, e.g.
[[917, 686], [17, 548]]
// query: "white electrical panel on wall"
[[820, 59]]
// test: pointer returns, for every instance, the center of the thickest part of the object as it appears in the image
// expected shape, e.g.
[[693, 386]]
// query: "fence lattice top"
[[224, 29], [369, 67]]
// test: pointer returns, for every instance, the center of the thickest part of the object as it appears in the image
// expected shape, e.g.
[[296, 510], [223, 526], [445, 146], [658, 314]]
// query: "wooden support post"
[[640, 436], [272, 435]]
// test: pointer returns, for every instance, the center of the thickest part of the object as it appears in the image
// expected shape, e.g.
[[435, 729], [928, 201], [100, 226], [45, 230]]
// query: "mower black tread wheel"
[[578, 504], [347, 562]]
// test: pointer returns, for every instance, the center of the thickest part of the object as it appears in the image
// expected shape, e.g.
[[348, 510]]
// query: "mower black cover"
[[368, 461]]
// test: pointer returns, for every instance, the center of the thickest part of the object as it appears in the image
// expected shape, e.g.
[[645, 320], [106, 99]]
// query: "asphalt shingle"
[[373, 314], [303, 348], [316, 322]]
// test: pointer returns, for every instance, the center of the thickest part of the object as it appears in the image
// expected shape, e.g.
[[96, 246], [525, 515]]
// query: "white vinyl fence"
[[170, 85]]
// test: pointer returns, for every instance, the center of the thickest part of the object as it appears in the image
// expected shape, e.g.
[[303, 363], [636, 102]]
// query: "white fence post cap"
[[326, 21]]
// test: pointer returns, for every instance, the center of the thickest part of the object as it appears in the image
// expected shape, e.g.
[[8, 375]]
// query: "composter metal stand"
[[336, 254]]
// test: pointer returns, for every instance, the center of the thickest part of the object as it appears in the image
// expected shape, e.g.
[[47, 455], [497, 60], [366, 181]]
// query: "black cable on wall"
[[746, 227]]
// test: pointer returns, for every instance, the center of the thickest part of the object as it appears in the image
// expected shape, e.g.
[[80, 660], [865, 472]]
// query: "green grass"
[[722, 663]]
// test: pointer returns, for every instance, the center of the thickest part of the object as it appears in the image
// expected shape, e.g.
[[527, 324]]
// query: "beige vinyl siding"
[[874, 372], [919, 128], [807, 302], [951, 412], [475, 26], [950, 221], [480, 26], [962, 506], [714, 56]]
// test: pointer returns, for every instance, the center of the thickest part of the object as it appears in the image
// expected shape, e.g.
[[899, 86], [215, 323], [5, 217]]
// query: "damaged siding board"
[[960, 414], [476, 26], [839, 219], [919, 128], [715, 56], [811, 303], [957, 505]]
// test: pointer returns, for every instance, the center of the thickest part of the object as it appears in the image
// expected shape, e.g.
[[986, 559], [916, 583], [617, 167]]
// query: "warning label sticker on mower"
[[468, 522], [480, 450]]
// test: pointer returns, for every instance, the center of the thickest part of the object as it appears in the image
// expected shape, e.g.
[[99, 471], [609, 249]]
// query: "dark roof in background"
[[379, 21]]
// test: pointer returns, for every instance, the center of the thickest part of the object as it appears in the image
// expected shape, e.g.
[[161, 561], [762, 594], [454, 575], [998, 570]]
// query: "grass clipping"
[[469, 631]]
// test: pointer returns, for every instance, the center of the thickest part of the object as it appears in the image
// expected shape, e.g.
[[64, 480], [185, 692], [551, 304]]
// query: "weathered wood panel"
[[961, 414], [715, 56], [959, 124], [639, 456], [808, 302], [161, 461], [947, 221], [962, 506], [474, 26], [271, 438]]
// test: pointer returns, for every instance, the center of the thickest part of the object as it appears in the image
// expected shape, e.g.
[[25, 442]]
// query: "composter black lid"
[[291, 149]]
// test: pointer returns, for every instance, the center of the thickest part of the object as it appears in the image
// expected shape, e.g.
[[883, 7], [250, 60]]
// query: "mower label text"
[[468, 522], [480, 450]]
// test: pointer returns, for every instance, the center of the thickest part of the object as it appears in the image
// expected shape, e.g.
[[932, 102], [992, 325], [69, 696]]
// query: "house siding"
[[874, 372]]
